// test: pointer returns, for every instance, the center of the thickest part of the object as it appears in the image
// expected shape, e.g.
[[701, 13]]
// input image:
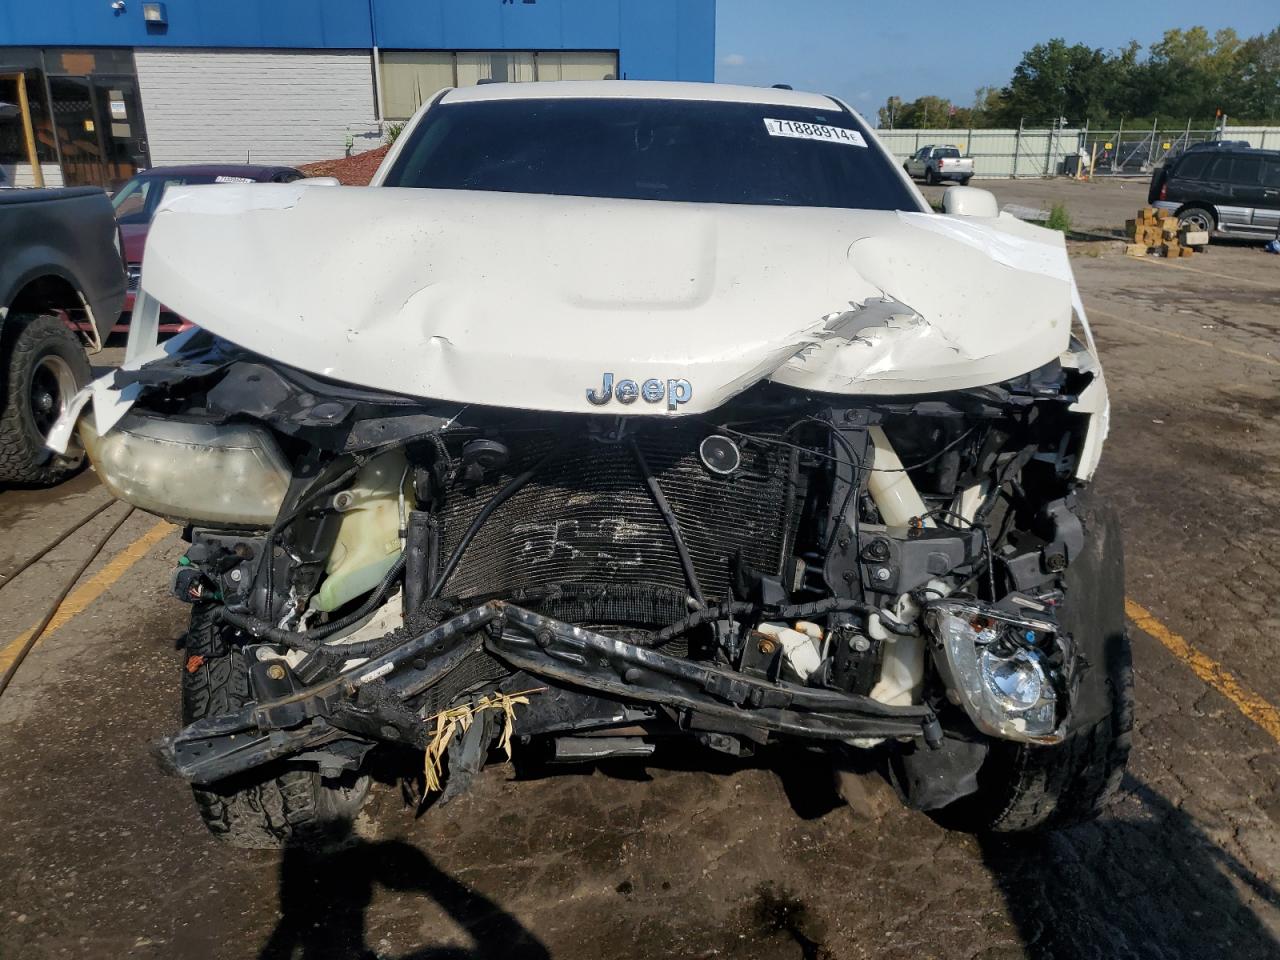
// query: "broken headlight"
[[231, 475], [997, 667]]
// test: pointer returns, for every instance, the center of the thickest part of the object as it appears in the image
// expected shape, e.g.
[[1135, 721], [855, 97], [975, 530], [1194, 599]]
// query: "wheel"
[[906, 169], [1024, 787], [930, 177], [1197, 218], [46, 367], [263, 808], [964, 181]]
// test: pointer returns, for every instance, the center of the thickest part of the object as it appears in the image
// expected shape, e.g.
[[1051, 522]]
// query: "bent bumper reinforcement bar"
[[370, 700]]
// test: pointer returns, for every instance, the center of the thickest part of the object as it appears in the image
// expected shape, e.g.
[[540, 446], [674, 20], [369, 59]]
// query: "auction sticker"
[[813, 131]]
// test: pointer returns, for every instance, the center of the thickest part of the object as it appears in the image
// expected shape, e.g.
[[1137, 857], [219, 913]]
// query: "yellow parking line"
[[1242, 354], [1209, 670], [91, 589]]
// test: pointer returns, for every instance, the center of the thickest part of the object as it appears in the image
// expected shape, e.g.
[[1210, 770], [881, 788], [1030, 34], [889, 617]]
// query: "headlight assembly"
[[230, 475], [997, 667]]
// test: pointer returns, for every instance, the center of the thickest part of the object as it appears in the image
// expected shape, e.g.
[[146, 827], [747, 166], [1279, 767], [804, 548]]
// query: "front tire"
[[271, 806], [1028, 788], [46, 367]]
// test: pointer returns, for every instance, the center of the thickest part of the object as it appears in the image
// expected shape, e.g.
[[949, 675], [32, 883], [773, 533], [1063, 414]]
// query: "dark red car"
[[136, 202]]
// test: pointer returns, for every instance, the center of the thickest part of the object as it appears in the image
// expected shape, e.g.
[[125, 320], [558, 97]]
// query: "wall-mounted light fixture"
[[117, 6], [155, 13]]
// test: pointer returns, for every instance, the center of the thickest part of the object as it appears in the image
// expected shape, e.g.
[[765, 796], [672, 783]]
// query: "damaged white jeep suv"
[[621, 411]]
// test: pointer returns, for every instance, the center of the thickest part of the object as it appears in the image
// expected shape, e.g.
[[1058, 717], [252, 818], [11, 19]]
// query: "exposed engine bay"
[[882, 573]]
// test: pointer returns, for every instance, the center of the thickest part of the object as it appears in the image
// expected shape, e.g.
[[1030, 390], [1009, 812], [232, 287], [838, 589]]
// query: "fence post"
[[1151, 150], [1119, 140], [1017, 147]]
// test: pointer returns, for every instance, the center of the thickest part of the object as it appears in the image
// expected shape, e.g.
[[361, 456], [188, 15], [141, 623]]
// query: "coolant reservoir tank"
[[368, 541], [891, 488]]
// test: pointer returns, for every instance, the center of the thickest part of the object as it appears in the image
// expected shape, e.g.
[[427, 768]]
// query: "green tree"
[[1056, 80], [1188, 74], [1253, 91], [888, 115]]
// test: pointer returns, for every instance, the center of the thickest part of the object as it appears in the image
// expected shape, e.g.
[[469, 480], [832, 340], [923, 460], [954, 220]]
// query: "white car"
[[620, 411]]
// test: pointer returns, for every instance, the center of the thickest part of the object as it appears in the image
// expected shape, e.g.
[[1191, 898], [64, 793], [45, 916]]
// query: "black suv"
[[1233, 191]]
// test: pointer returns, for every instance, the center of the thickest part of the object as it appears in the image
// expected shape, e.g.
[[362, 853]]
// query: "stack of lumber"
[[1156, 231]]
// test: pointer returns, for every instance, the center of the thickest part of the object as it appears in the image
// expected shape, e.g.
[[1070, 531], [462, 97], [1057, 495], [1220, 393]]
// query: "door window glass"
[[1246, 171], [1220, 169], [1271, 173]]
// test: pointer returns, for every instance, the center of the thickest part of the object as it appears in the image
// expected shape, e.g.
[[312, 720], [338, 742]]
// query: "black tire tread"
[[1048, 788], [1026, 788], [262, 809], [23, 458]]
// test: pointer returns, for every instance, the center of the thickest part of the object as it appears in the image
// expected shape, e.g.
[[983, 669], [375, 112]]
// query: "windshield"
[[137, 201], [686, 150], [130, 201]]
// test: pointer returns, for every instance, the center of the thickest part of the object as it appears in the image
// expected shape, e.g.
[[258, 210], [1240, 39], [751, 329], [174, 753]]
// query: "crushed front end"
[[883, 574]]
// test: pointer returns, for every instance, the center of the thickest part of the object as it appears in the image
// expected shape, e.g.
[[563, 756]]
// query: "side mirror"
[[970, 202]]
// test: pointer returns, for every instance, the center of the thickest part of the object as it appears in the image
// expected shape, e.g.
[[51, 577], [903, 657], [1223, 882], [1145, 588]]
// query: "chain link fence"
[[1066, 151]]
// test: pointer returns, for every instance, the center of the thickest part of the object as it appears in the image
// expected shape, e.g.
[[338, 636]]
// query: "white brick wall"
[[19, 175], [278, 106]]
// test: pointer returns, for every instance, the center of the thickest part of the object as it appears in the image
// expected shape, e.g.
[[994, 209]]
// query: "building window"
[[577, 65], [508, 66], [412, 77], [409, 79], [15, 61]]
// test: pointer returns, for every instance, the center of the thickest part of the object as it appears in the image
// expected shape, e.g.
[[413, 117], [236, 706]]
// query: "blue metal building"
[[111, 86]]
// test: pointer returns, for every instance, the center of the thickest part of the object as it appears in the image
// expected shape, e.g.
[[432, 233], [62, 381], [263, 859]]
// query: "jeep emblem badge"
[[653, 390]]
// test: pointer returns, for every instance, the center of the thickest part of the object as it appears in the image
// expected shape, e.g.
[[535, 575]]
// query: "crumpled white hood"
[[528, 301]]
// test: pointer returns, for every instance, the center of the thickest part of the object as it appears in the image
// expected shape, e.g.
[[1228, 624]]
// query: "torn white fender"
[[110, 404], [528, 301]]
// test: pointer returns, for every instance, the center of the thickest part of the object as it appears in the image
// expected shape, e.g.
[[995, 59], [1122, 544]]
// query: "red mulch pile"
[[354, 171]]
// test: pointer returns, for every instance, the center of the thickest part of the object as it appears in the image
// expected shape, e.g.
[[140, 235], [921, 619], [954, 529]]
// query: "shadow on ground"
[[1151, 884], [324, 896], [1123, 888]]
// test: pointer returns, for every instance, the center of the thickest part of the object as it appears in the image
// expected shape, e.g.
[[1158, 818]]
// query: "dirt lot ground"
[[104, 856]]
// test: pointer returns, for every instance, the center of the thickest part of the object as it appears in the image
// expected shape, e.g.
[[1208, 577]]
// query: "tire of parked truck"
[[964, 181], [930, 177], [45, 367], [1027, 788], [1197, 218], [277, 804]]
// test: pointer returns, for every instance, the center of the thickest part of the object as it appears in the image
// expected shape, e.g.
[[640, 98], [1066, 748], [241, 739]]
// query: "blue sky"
[[866, 51]]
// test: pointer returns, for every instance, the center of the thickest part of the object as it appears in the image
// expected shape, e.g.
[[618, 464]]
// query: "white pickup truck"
[[938, 162]]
